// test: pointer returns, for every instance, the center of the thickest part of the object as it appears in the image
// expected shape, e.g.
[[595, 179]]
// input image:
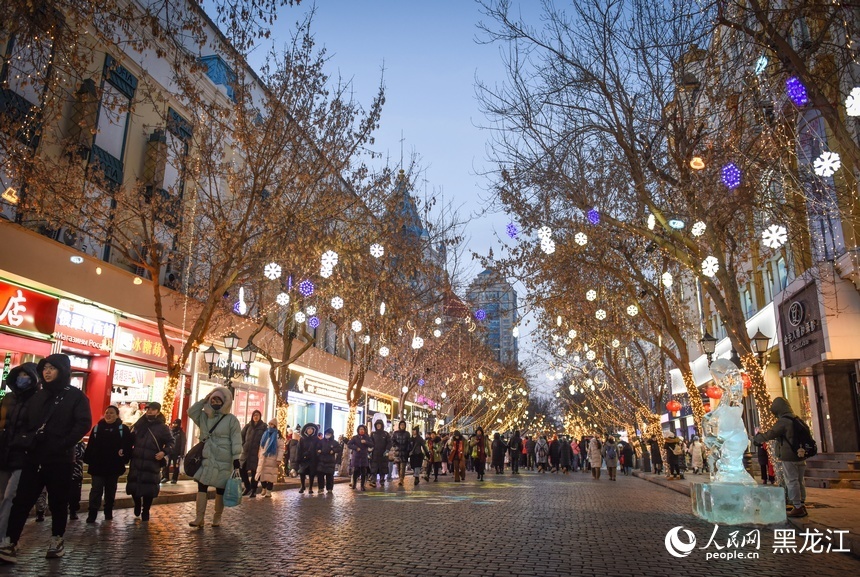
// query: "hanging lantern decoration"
[[714, 392], [707, 407], [796, 91], [673, 406]]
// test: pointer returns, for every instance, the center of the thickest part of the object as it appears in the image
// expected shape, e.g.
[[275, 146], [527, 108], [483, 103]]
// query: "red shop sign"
[[143, 345], [27, 311]]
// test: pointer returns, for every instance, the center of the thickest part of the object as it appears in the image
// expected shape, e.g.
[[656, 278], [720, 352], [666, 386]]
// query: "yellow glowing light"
[[696, 163]]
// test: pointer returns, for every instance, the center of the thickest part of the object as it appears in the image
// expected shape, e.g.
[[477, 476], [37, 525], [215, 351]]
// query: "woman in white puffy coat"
[[595, 456]]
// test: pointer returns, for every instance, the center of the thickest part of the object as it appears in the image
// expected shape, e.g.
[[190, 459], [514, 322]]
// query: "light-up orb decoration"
[[547, 245], [326, 271], [590, 355], [616, 343], [384, 352], [421, 382], [444, 395], [306, 287], [337, 303], [580, 238], [731, 176], [796, 91], [652, 221], [376, 250], [382, 309], [852, 102], [593, 216], [314, 322], [774, 236], [311, 311], [827, 164], [357, 326], [591, 295], [272, 271], [600, 314], [676, 223], [282, 299], [710, 266], [329, 258], [481, 314], [571, 389], [632, 310], [558, 375], [511, 229], [437, 333], [438, 320], [300, 317], [544, 233], [698, 228], [571, 334], [576, 358], [667, 279], [365, 339], [417, 343]]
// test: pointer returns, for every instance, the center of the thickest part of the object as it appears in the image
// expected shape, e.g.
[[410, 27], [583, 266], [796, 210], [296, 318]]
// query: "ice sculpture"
[[732, 497]]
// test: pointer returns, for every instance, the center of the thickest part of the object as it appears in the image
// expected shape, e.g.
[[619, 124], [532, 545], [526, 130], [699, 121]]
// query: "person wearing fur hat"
[[400, 444], [151, 441], [308, 456], [329, 453], [360, 445], [223, 435], [269, 456], [252, 435]]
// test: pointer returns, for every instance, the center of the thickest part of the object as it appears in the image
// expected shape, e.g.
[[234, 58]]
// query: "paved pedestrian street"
[[527, 525]]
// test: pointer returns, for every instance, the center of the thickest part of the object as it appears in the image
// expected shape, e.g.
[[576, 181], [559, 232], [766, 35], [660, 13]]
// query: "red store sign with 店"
[[27, 311]]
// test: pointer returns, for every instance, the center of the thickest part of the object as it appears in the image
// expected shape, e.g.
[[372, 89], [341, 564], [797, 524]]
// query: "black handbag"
[[194, 457]]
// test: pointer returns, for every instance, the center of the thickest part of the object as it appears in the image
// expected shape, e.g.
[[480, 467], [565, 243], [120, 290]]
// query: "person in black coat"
[[252, 435], [308, 456], [554, 454], [174, 457], [627, 457], [499, 449], [515, 451], [379, 458], [530, 449], [108, 451], [654, 447], [329, 454], [417, 453], [400, 444], [151, 440], [58, 416]]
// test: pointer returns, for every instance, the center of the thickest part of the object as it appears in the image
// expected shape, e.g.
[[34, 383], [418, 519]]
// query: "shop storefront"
[[320, 399], [378, 404], [27, 320], [252, 392]]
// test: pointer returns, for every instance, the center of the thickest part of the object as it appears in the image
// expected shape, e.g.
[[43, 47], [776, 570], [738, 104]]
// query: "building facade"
[[496, 300]]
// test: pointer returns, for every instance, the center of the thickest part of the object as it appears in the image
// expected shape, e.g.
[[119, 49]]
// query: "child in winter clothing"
[[77, 481]]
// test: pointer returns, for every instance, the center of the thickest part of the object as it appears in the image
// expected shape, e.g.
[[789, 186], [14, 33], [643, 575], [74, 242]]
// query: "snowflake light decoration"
[[337, 303], [775, 236], [545, 233], [306, 287], [314, 322], [561, 351], [481, 314], [515, 332], [421, 382], [326, 271], [282, 299], [710, 266], [571, 333], [600, 314], [731, 176], [376, 250], [632, 310], [547, 245], [667, 279], [383, 351], [382, 309], [580, 238], [827, 164], [616, 343], [698, 228], [652, 221], [437, 333], [593, 216], [852, 102], [796, 91], [511, 229], [357, 326], [311, 311], [365, 339], [590, 355], [272, 271], [300, 317], [591, 295], [417, 343], [329, 258]]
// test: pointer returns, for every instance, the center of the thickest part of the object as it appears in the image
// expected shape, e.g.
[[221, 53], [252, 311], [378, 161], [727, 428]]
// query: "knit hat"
[[273, 423]]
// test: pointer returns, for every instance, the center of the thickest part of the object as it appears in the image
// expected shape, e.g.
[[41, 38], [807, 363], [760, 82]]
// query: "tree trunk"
[[759, 391], [174, 376], [350, 427], [695, 399]]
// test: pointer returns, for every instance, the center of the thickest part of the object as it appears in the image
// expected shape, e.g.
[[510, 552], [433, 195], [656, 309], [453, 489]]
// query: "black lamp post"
[[212, 356], [759, 344], [709, 345]]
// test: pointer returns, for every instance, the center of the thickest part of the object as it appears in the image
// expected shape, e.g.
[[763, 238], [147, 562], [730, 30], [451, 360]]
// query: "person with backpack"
[[610, 457], [595, 456], [542, 454], [794, 444]]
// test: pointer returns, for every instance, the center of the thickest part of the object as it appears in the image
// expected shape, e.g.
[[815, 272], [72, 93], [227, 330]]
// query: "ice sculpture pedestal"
[[738, 503]]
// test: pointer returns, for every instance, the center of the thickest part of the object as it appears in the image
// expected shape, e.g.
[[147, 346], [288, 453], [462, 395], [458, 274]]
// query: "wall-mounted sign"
[[84, 328], [800, 321], [27, 311], [322, 388], [143, 343]]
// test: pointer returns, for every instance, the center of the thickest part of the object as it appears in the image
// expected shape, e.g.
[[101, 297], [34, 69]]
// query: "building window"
[[781, 273]]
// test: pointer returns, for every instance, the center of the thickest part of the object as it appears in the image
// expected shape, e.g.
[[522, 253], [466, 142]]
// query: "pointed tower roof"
[[407, 210]]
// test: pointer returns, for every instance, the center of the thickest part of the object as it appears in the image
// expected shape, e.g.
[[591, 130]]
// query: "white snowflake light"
[[710, 266], [438, 320], [652, 222], [383, 351], [561, 351], [282, 299], [272, 271], [376, 250], [576, 358], [548, 246], [337, 303], [667, 279], [571, 333], [515, 332], [852, 102], [591, 295], [365, 339], [329, 258], [775, 236], [632, 310], [311, 311], [600, 314], [326, 271], [357, 326], [616, 343], [437, 333], [827, 164], [698, 228], [417, 343], [580, 238], [590, 355], [545, 233], [300, 317]]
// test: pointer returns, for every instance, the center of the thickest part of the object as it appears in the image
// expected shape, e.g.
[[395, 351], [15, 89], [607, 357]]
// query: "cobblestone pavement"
[[547, 525]]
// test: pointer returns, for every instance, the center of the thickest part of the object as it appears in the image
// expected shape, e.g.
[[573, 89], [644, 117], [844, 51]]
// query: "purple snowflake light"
[[420, 382], [796, 91], [593, 216], [731, 176], [512, 230], [314, 322], [306, 287], [480, 314]]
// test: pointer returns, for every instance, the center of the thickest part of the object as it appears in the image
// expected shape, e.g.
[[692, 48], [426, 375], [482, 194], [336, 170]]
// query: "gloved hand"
[[235, 463]]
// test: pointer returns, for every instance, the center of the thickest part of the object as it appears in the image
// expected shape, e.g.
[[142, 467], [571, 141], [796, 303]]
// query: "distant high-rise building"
[[491, 293]]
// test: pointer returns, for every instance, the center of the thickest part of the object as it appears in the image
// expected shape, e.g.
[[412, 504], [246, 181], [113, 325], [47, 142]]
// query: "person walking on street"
[[627, 457], [308, 457], [361, 444], [479, 449], [610, 457], [269, 457], [58, 416], [577, 457], [400, 443], [252, 435], [541, 454], [565, 455], [499, 449], [656, 455], [457, 456], [515, 451], [417, 453], [697, 455], [595, 456], [530, 449], [381, 446], [223, 435], [108, 452], [293, 451], [784, 432], [329, 454], [434, 456], [176, 453], [674, 453], [77, 481], [151, 441]]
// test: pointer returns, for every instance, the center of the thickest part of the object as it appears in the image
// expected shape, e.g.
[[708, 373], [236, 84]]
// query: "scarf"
[[270, 442]]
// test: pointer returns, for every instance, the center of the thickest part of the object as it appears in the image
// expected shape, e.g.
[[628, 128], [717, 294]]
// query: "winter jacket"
[[223, 446], [456, 449], [252, 434], [782, 431], [148, 439], [417, 452], [179, 440], [308, 450], [671, 445], [530, 446], [67, 422], [499, 448], [595, 456], [434, 449], [267, 467], [330, 453], [542, 451], [475, 446], [14, 417], [293, 447], [554, 452], [565, 454], [515, 446], [697, 454], [381, 445], [609, 452], [361, 450], [654, 449], [400, 442], [106, 441]]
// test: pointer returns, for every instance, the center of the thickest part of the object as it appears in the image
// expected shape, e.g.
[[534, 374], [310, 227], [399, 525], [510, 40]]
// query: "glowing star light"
[[698, 228], [593, 216], [511, 229], [667, 279], [580, 238], [710, 266], [827, 164], [357, 326], [383, 351], [417, 343], [337, 303], [591, 295], [632, 310], [775, 236], [283, 299], [480, 314], [306, 287], [329, 258], [600, 314], [796, 91], [852, 102], [272, 271], [731, 176], [376, 250]]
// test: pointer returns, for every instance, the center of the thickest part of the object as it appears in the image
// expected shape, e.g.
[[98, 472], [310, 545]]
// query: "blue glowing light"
[[731, 176], [512, 230], [480, 314], [306, 287], [314, 322], [796, 91], [593, 216]]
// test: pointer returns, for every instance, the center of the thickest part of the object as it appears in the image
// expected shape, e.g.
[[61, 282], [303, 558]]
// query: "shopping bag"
[[233, 490]]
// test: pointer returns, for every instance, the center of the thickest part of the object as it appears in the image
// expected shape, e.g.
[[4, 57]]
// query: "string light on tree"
[[561, 351], [580, 238], [827, 164], [437, 333], [282, 299], [616, 343], [731, 176], [365, 339], [698, 228], [710, 266], [272, 271], [337, 303], [376, 250], [515, 332], [382, 309], [571, 333], [774, 236]]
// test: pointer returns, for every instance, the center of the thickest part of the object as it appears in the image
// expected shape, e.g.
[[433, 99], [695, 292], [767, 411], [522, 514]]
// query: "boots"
[[201, 510], [219, 508]]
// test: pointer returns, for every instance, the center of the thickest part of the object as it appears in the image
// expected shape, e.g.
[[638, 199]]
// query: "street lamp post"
[[709, 345], [212, 356], [759, 343]]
